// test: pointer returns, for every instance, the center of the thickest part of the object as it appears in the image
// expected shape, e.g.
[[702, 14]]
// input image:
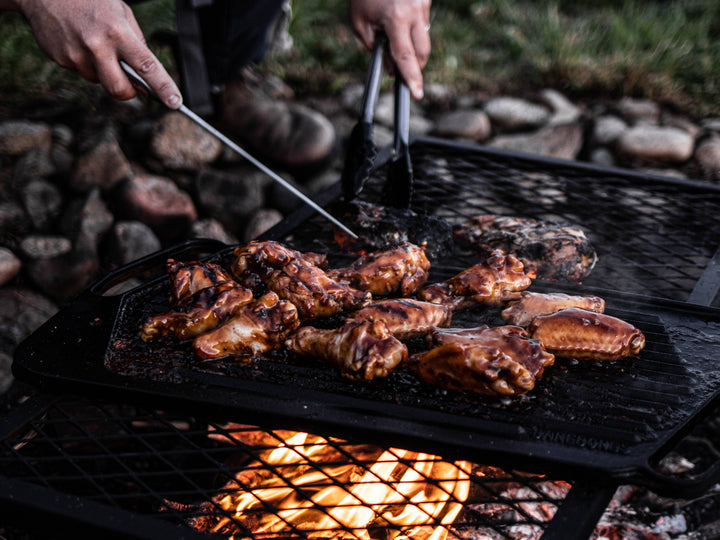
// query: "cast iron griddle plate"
[[611, 417]]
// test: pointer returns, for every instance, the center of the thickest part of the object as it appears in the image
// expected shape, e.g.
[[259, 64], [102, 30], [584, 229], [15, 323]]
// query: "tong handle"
[[373, 77], [137, 81]]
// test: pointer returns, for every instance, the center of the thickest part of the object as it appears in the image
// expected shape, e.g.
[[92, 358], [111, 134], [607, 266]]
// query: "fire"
[[329, 488]]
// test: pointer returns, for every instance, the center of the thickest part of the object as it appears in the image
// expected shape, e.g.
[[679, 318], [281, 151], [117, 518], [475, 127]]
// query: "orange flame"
[[328, 488]]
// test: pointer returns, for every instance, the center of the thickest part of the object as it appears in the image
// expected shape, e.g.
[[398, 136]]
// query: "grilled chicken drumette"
[[188, 278], [521, 312], [579, 333], [255, 328], [403, 268], [363, 350], [199, 313], [296, 277], [496, 280], [501, 361], [406, 318]]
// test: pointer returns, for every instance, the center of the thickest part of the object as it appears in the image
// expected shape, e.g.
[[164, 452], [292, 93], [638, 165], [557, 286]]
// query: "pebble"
[[37, 247], [471, 124], [22, 311], [656, 143], [20, 136], [43, 202], [213, 229], [515, 114], [608, 129], [130, 240], [260, 222], [179, 143], [708, 157], [10, 265], [104, 165], [561, 141], [639, 110]]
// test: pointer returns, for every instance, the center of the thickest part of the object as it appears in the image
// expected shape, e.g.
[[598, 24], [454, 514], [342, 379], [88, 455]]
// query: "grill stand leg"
[[580, 511]]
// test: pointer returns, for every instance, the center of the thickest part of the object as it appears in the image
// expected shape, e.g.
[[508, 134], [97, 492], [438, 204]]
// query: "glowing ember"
[[329, 488]]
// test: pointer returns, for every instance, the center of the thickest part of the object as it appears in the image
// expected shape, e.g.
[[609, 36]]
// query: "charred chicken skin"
[[579, 333], [362, 351], [254, 329], [188, 278], [500, 361], [548, 250], [403, 268], [405, 318], [201, 312], [521, 312], [496, 280]]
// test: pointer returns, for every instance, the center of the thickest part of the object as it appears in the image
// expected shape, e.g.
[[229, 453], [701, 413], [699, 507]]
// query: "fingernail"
[[174, 101], [416, 90]]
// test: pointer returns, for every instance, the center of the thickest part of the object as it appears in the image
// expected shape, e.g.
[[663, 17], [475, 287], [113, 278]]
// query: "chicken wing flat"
[[548, 250], [255, 262], [403, 268], [583, 334], [362, 351], [496, 280], [254, 329], [313, 292], [406, 318], [201, 312], [521, 312], [188, 278], [500, 361]]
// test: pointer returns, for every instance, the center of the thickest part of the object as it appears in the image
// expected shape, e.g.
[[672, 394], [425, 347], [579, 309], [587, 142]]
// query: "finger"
[[421, 41], [114, 80], [402, 49], [364, 30], [142, 60]]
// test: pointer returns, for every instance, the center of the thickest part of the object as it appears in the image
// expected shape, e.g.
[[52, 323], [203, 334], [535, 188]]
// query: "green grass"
[[664, 50]]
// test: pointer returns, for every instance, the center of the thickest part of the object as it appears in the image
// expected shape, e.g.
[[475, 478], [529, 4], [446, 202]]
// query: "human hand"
[[407, 25], [91, 37]]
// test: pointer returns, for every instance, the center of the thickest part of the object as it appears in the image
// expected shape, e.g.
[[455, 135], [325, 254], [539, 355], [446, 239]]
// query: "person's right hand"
[[91, 37]]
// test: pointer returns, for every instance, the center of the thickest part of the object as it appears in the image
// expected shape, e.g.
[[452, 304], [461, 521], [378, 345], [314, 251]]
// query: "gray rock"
[[511, 113], [260, 222], [43, 203], [602, 156], [351, 98], [439, 94], [158, 203], [639, 110], [131, 240], [561, 141], [65, 276], [179, 143], [9, 265], [87, 219], [103, 165], [38, 247], [419, 125], [213, 229], [34, 163], [563, 110], [711, 124], [13, 218], [62, 159], [471, 124], [62, 135], [231, 198], [607, 129], [707, 156], [20, 136], [656, 143], [22, 311]]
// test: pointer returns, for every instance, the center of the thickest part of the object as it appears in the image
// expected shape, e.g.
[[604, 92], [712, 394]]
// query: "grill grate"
[[176, 469], [654, 235]]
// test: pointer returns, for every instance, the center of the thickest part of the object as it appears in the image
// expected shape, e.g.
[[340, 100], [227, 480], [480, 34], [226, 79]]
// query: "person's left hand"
[[407, 25]]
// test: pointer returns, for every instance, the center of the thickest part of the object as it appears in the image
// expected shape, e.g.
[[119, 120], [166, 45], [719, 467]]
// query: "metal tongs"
[[142, 86], [362, 152]]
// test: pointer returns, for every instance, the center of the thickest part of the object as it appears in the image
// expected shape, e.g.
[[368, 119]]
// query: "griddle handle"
[[153, 261], [688, 487]]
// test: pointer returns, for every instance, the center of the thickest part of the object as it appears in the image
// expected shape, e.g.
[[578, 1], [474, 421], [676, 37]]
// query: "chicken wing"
[[500, 361], [498, 279], [313, 292], [548, 250], [405, 318], [255, 262], [361, 351], [256, 328], [583, 334], [521, 312], [403, 268], [201, 312], [188, 278]]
